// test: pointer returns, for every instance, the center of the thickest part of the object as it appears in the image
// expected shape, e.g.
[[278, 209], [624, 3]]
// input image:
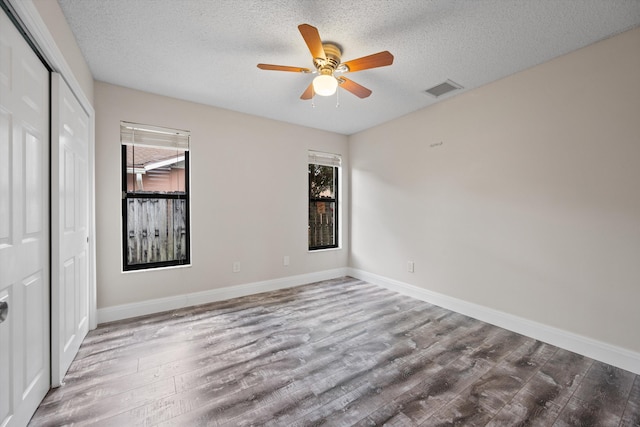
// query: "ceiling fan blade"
[[283, 68], [312, 39], [353, 87], [308, 93], [379, 59]]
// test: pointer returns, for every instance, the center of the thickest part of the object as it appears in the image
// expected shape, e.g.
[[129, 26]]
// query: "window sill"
[[311, 251], [169, 267]]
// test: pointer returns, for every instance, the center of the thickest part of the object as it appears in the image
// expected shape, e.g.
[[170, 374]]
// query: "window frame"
[[126, 196], [315, 159]]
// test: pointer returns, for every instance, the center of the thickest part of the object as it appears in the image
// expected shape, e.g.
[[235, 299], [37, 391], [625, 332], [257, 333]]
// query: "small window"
[[324, 171], [155, 196]]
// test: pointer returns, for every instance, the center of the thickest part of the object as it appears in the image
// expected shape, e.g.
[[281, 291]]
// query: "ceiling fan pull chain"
[[337, 98]]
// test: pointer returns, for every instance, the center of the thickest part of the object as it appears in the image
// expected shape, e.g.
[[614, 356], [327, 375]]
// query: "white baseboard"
[[126, 311], [598, 350]]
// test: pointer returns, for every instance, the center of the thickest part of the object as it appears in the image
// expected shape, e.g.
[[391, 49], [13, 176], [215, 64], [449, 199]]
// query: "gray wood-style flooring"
[[338, 353]]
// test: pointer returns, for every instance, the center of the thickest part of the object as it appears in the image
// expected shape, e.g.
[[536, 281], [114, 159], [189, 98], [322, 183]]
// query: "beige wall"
[[55, 21], [248, 197], [522, 196]]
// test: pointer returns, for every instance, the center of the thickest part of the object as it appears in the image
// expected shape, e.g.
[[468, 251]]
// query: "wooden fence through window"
[[321, 224], [156, 230]]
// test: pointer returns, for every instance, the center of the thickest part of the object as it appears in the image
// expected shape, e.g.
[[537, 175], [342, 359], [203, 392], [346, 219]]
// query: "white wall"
[[248, 197], [56, 23], [530, 205]]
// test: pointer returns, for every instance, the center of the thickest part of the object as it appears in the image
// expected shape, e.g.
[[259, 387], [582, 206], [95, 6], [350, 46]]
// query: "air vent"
[[443, 88]]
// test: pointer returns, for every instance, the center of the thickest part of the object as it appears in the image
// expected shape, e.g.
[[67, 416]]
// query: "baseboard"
[[126, 311], [598, 350]]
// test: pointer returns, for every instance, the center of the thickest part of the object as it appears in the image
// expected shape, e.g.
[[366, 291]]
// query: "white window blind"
[[324, 159], [154, 136]]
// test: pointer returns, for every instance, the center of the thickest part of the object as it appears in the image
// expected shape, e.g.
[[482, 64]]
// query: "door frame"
[[37, 31]]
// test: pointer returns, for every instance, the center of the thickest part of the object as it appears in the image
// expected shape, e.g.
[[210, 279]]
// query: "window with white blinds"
[[153, 136], [325, 159], [155, 196], [324, 172]]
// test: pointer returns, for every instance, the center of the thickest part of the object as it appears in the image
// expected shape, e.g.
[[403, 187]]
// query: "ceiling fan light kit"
[[325, 85], [327, 62]]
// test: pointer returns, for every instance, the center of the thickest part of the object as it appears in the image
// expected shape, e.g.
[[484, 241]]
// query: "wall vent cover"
[[442, 88]]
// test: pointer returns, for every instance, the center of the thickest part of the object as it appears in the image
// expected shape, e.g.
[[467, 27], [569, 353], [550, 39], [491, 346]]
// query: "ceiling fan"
[[327, 61]]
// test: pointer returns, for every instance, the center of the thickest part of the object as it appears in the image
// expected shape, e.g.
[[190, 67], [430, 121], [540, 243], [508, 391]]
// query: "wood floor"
[[336, 353]]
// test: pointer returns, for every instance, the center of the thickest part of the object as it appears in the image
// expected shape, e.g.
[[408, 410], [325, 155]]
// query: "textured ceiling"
[[206, 51]]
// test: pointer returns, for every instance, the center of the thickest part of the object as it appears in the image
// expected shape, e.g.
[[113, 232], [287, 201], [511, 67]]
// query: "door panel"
[[33, 191], [68, 289], [24, 227], [6, 171], [70, 213], [69, 195]]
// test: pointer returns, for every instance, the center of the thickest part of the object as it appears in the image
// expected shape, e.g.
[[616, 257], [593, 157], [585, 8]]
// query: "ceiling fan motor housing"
[[332, 53]]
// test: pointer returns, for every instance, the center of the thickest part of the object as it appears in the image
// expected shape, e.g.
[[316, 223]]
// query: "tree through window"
[[323, 200]]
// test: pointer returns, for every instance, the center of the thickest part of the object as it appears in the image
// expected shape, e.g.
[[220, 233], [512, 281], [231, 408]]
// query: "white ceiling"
[[206, 51]]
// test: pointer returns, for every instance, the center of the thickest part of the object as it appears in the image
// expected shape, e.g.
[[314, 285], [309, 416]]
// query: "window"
[[324, 171], [155, 196]]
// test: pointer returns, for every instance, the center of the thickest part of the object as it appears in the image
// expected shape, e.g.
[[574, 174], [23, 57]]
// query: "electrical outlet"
[[410, 266], [236, 267], [285, 260]]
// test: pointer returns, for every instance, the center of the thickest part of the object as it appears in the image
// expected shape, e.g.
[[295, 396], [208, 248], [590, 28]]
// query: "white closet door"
[[70, 227], [24, 228]]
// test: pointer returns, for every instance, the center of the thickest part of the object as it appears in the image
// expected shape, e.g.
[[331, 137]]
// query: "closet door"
[[70, 227], [24, 228]]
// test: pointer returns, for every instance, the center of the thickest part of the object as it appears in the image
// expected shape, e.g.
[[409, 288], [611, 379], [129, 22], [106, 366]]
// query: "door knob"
[[4, 311]]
